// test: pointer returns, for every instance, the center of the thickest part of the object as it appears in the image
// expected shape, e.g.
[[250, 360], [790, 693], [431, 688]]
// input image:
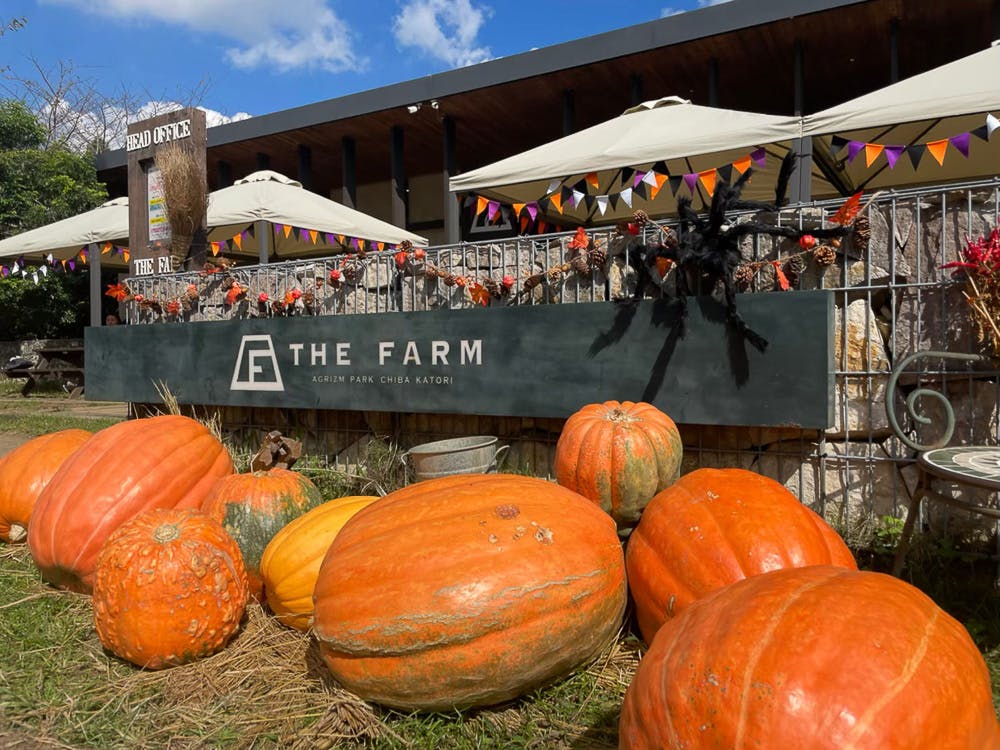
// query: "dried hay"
[[185, 192]]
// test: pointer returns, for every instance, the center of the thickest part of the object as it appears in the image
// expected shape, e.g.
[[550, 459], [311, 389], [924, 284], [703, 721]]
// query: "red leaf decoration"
[[780, 276], [847, 212], [479, 294], [580, 241], [234, 293], [116, 292]]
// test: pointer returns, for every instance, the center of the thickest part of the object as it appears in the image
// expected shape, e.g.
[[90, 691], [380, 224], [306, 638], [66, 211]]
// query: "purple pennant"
[[328, 237], [4, 271], [892, 154], [244, 234], [961, 142], [759, 157], [637, 178], [72, 265], [691, 180], [355, 244], [491, 209], [532, 209], [278, 228], [853, 149]]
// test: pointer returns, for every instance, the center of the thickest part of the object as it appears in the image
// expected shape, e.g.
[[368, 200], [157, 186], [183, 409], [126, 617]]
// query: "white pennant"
[[35, 277], [553, 186], [44, 270], [49, 258], [15, 268], [577, 197], [602, 204], [650, 178], [24, 273], [626, 195], [992, 123]]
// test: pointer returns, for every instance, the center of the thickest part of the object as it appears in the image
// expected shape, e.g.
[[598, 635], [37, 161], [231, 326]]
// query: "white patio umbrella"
[[276, 199], [951, 100], [64, 239], [670, 133]]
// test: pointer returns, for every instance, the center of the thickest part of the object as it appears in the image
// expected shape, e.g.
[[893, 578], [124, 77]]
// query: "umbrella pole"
[[94, 269], [263, 232]]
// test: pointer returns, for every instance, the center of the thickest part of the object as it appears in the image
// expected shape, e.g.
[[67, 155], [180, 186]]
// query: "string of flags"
[[22, 268], [634, 183], [301, 234], [937, 148]]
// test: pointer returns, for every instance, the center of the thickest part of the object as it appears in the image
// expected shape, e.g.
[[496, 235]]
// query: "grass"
[[269, 688]]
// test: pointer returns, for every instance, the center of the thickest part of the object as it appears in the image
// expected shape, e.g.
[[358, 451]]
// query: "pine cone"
[[349, 271], [794, 264], [554, 273], [598, 257], [824, 255], [492, 286], [450, 279], [862, 233], [532, 281], [640, 217], [743, 276], [580, 264], [406, 246]]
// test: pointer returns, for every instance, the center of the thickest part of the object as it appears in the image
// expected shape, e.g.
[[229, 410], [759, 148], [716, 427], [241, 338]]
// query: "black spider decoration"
[[706, 250]]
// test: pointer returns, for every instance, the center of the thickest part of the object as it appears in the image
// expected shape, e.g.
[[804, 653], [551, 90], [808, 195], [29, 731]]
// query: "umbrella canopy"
[[948, 106], [274, 198], [64, 239], [668, 136]]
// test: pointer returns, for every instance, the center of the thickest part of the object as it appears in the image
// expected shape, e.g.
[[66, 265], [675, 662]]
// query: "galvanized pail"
[[467, 455]]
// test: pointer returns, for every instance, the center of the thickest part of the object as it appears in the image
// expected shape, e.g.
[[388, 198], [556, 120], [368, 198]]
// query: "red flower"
[[262, 297], [419, 254], [334, 275], [581, 241], [173, 307], [138, 298], [807, 242], [401, 258], [296, 293], [508, 281], [234, 293]]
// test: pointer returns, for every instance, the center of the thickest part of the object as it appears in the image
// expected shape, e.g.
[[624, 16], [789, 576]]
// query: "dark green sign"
[[544, 361]]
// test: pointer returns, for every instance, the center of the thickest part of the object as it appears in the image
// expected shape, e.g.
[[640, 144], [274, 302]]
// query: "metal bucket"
[[442, 458]]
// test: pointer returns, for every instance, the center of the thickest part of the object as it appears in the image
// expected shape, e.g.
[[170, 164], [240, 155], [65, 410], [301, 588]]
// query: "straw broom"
[[185, 192]]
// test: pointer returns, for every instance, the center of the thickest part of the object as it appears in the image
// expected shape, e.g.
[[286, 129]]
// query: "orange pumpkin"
[[714, 527], [291, 561], [158, 462], [468, 590], [618, 454], [170, 587], [822, 658], [254, 507], [25, 471]]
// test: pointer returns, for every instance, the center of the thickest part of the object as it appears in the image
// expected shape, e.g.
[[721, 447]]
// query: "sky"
[[240, 58]]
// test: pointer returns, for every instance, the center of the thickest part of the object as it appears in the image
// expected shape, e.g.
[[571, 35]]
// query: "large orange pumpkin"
[[468, 590], [822, 658], [158, 462], [170, 587], [25, 471], [618, 454], [291, 561], [254, 507], [714, 527]]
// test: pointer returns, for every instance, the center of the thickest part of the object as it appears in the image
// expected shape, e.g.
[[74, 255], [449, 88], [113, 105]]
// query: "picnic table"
[[59, 359]]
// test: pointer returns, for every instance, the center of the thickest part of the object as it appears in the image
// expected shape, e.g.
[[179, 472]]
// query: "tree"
[[40, 184]]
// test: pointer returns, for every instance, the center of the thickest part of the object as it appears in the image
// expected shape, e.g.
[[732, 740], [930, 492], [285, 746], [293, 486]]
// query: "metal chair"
[[971, 465]]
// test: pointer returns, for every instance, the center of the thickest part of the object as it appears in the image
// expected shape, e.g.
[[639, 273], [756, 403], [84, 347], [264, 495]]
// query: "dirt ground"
[[74, 407]]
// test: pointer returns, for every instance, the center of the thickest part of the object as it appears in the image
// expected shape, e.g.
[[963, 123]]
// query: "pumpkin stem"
[[166, 532], [17, 532], [620, 415]]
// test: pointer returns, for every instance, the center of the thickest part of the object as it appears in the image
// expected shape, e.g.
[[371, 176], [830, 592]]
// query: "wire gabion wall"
[[892, 298]]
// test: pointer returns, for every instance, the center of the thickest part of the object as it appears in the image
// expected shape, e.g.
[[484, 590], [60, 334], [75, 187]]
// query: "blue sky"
[[259, 56]]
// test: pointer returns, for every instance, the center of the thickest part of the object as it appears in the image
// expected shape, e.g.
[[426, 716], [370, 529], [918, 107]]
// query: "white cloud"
[[443, 29], [670, 12], [706, 3], [284, 35]]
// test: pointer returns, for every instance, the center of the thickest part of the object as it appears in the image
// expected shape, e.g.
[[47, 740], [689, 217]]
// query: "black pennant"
[[726, 172], [589, 200], [675, 184], [252, 229], [614, 200], [916, 153], [661, 167], [982, 132], [627, 173], [581, 186], [640, 190], [837, 143], [566, 193]]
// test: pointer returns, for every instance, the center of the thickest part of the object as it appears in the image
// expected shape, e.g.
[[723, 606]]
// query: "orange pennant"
[[83, 257], [64, 263], [654, 189], [708, 180], [524, 223], [216, 248], [481, 204], [872, 150], [518, 207], [313, 234], [288, 230], [238, 240], [556, 199], [742, 165], [937, 148], [380, 246], [106, 249], [125, 254], [592, 180], [340, 239]]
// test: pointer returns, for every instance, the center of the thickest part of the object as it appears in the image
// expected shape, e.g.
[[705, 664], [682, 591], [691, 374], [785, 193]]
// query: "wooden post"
[[94, 269], [452, 225], [348, 152], [399, 188], [801, 184]]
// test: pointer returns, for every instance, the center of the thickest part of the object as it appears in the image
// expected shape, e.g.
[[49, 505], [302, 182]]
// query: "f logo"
[[256, 365]]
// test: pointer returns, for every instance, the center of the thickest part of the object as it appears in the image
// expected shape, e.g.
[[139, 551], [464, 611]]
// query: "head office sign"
[[544, 361]]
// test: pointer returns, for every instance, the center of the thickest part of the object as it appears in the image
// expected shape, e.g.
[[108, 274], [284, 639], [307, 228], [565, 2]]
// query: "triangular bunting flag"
[[491, 210], [49, 258], [637, 178], [992, 123], [691, 180], [566, 194], [525, 221], [278, 228], [380, 246], [580, 186], [708, 180], [44, 270], [661, 168], [837, 143], [759, 157], [650, 178], [640, 190], [626, 196], [872, 151], [627, 173], [340, 239], [742, 165], [591, 179], [328, 237], [287, 229], [252, 230], [238, 241], [938, 149], [481, 204], [726, 173], [532, 209], [675, 183], [63, 265], [661, 179], [982, 132], [542, 226], [589, 200], [313, 235], [614, 197], [916, 153], [355, 243], [577, 197], [892, 154], [556, 200], [961, 142], [72, 265], [518, 208], [602, 204], [106, 249], [125, 254], [553, 186], [83, 257], [853, 149]]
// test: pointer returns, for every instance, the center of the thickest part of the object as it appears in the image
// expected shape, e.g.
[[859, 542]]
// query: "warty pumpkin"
[[254, 507], [25, 471], [822, 658], [291, 561], [170, 587], [157, 462], [619, 455], [468, 590], [714, 527]]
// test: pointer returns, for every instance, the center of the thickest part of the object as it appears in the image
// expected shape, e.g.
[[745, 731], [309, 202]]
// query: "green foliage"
[[55, 307]]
